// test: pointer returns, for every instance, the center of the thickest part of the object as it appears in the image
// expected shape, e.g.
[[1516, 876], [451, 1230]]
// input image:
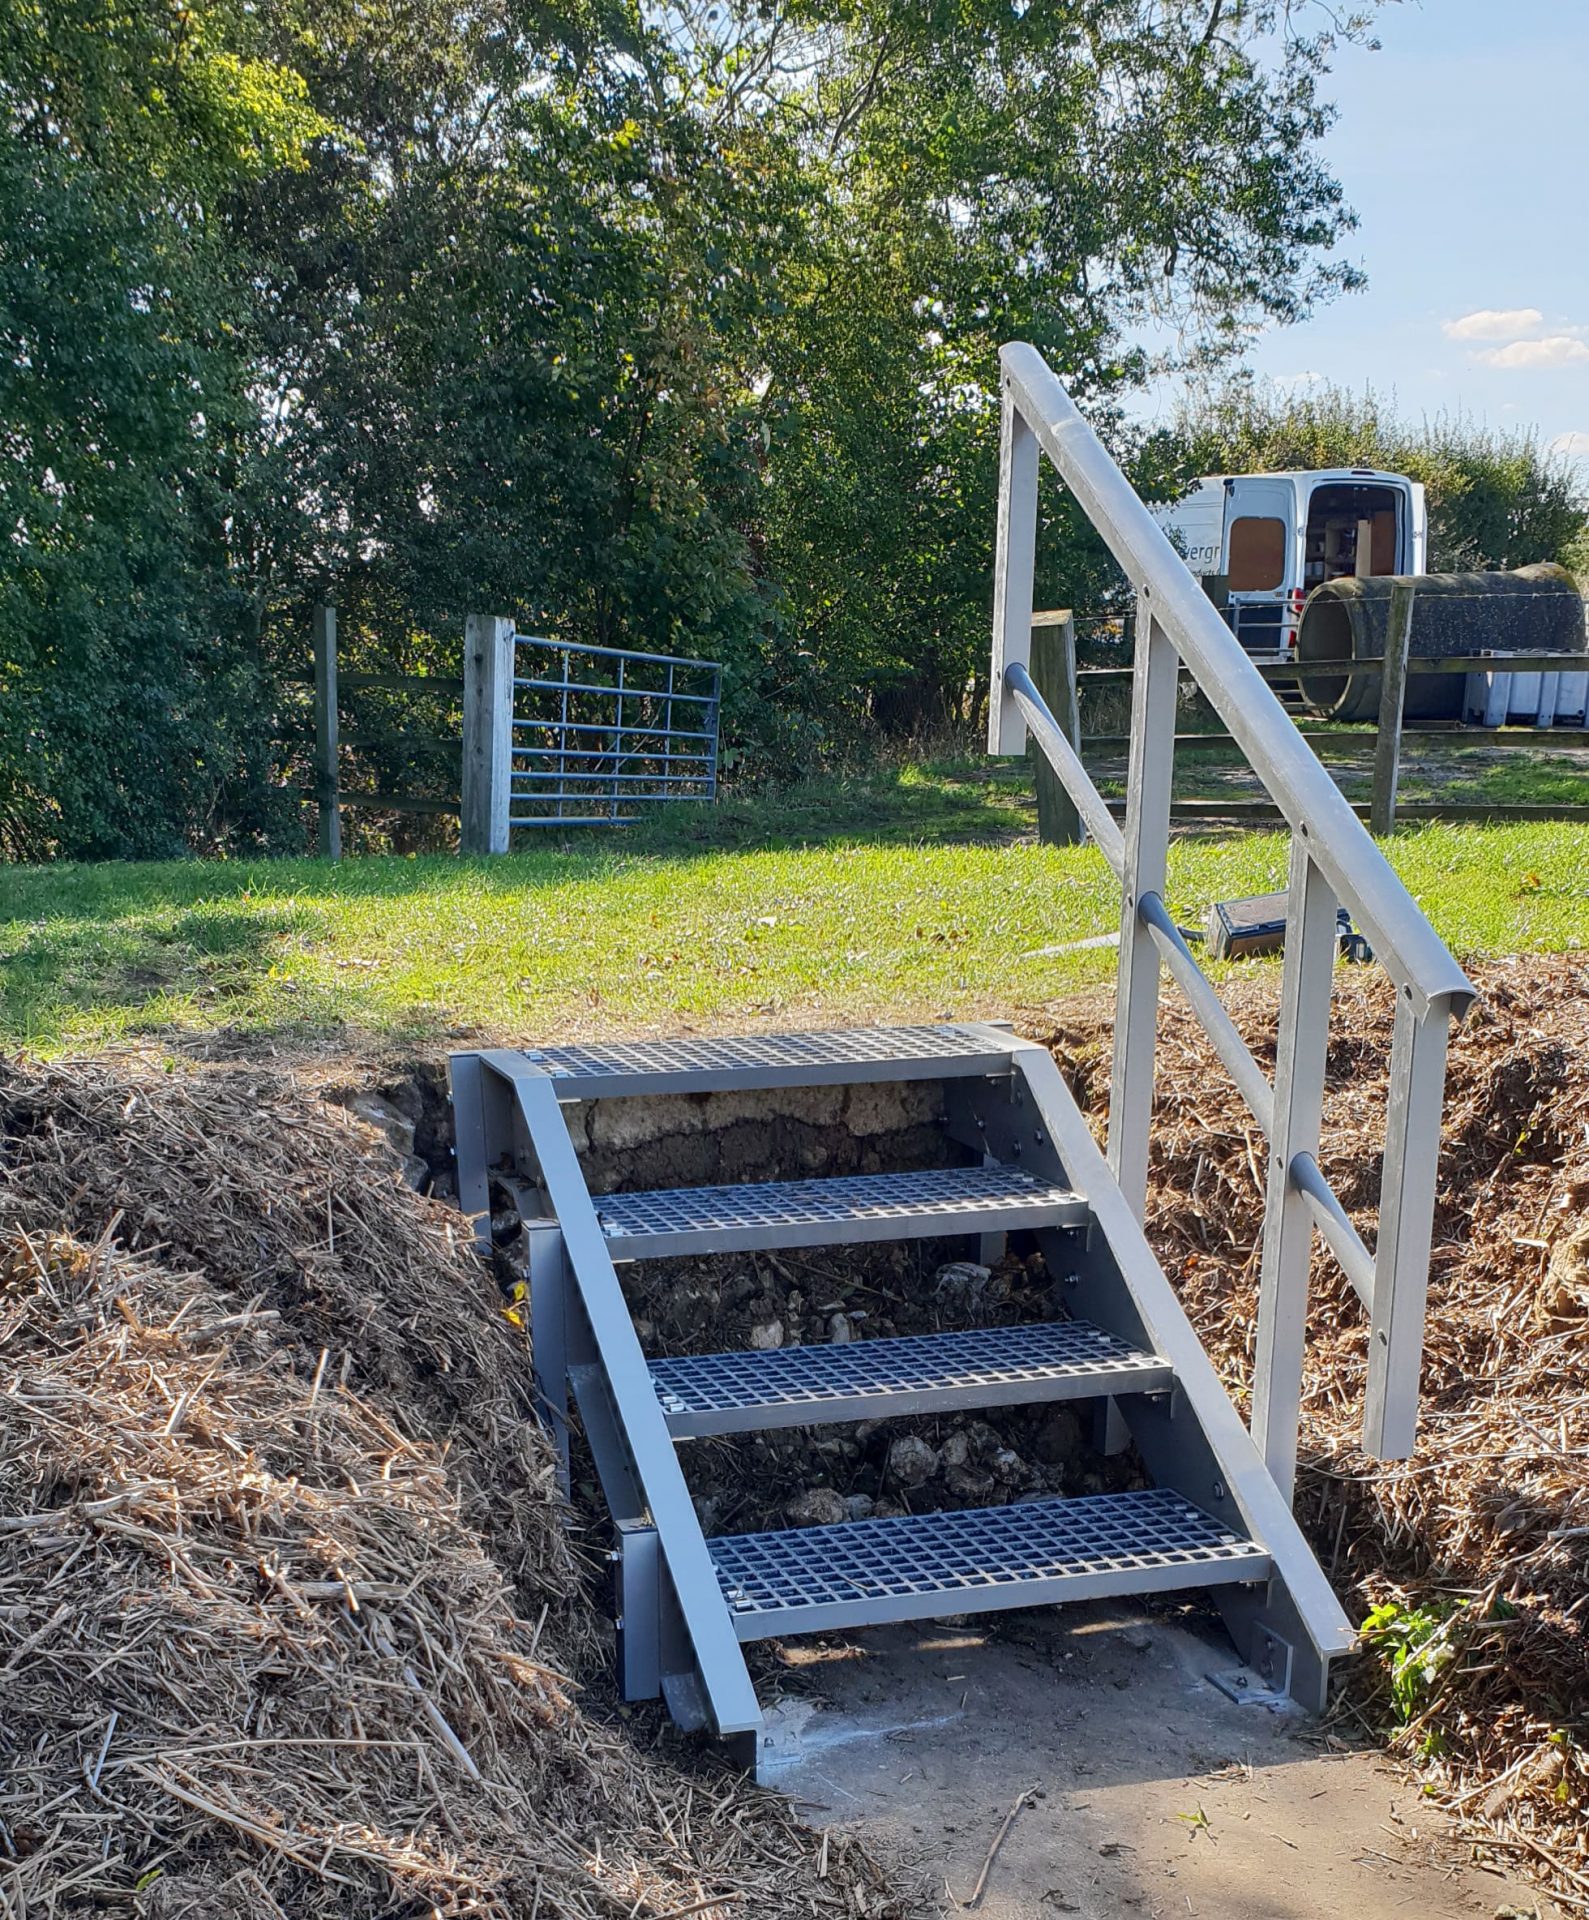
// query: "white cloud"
[[1557, 350], [1494, 323], [1290, 381], [1571, 446]]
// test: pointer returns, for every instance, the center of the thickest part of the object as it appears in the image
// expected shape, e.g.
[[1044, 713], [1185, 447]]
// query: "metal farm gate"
[[600, 733]]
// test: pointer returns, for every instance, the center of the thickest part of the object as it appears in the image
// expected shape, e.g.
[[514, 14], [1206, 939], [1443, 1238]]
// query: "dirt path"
[[1155, 1795]]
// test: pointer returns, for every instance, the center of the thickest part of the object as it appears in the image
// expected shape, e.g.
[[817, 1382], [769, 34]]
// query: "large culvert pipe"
[[1534, 610]]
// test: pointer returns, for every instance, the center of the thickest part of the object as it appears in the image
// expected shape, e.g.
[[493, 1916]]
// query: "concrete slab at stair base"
[[1159, 1796]]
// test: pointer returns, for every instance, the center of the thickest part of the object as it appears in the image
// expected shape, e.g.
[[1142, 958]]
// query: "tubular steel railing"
[[1333, 859], [601, 733]]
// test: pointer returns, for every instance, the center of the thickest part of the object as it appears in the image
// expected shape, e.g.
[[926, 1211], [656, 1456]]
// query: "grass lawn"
[[913, 892]]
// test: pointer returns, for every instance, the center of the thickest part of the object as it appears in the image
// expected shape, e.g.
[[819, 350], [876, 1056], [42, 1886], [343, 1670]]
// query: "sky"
[[1463, 144]]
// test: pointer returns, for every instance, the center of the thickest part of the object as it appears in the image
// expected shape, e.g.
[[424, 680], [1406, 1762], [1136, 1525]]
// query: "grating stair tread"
[[925, 1373], [921, 1566], [814, 1213], [756, 1060]]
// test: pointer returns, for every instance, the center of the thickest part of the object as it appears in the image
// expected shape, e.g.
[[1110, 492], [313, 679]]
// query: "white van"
[[1262, 542]]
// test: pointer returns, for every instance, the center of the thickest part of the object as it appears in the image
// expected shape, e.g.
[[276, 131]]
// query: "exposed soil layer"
[[803, 1476]]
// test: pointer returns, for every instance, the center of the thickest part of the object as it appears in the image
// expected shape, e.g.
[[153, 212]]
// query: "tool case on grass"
[[1258, 925]]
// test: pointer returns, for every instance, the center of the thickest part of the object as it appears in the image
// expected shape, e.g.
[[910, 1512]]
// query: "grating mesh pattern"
[[938, 1193], [996, 1357], [733, 1053], [958, 1553]]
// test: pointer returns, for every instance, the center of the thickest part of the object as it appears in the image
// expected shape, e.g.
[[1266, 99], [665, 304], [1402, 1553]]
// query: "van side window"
[[1257, 554]]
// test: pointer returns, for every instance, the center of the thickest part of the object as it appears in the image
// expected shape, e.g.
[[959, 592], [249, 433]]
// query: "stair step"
[[924, 1565], [924, 1373], [759, 1060], [822, 1213]]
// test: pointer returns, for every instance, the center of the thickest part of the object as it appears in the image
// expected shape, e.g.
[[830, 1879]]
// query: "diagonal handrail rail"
[[1333, 859], [1301, 787]]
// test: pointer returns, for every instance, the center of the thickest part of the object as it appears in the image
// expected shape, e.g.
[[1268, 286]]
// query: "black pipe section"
[[1537, 609]]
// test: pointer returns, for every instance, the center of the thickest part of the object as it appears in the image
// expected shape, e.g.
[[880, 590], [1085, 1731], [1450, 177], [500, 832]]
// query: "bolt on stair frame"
[[1333, 860]]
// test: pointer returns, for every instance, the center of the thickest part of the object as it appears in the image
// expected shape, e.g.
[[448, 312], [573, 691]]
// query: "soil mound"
[[290, 1618]]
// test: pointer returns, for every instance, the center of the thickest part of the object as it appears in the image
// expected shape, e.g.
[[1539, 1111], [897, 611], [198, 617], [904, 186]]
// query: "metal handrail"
[[1312, 804], [1333, 858], [1050, 736]]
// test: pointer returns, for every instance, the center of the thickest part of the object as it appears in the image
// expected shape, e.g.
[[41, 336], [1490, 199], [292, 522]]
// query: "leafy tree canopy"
[[672, 324]]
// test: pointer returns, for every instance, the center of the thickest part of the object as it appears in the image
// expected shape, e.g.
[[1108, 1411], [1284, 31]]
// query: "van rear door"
[[1261, 560]]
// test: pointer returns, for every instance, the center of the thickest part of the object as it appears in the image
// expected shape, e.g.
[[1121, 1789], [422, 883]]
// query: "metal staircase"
[[1216, 1514], [1212, 1520]]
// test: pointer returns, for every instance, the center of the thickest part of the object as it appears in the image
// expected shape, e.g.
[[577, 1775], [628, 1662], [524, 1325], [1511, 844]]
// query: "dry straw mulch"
[[290, 1623], [1487, 1527]]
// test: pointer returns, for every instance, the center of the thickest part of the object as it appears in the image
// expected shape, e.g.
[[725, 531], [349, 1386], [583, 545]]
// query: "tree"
[[668, 325], [127, 418], [994, 172]]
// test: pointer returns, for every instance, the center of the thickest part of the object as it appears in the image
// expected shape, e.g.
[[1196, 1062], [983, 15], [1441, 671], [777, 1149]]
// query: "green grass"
[[910, 892]]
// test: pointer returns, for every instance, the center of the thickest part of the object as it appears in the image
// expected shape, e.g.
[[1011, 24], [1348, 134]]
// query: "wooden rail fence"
[[329, 739], [1060, 680]]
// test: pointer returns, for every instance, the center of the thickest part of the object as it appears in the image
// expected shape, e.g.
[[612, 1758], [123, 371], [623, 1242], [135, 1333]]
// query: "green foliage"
[[1496, 499], [672, 325], [1416, 1645], [986, 182], [129, 695]]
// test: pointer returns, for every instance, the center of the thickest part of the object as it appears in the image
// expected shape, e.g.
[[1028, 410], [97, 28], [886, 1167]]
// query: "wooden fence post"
[[487, 733], [1392, 698], [327, 761], [1054, 675]]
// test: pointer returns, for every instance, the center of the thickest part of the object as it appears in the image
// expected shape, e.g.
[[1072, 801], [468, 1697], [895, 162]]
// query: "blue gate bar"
[[603, 741]]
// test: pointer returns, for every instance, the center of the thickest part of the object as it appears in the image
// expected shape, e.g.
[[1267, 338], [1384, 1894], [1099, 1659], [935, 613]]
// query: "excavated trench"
[[802, 1476]]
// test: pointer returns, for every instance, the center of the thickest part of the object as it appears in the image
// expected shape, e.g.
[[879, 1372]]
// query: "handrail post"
[[1053, 670], [1150, 779], [1334, 859], [1303, 1044], [1014, 569], [327, 760], [1406, 1227], [1392, 703], [487, 733]]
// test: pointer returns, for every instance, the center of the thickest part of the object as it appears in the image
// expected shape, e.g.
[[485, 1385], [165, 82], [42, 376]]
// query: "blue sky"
[[1463, 144]]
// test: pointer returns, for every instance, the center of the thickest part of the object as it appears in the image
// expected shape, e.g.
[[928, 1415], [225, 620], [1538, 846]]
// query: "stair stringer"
[[1193, 1439], [689, 1640]]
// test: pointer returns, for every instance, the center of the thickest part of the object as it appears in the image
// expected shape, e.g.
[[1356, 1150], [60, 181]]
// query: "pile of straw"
[[290, 1623], [1486, 1529]]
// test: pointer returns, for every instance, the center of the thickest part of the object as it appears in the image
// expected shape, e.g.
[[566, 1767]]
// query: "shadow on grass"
[[127, 964], [960, 802]]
